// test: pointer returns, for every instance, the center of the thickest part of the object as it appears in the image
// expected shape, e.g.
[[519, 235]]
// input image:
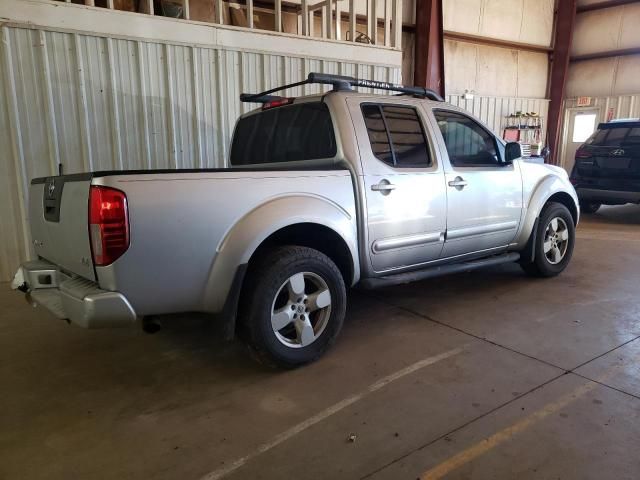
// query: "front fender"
[[540, 194], [244, 237]]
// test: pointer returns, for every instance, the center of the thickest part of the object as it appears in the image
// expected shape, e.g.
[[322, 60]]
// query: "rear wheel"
[[554, 242], [293, 306], [589, 207]]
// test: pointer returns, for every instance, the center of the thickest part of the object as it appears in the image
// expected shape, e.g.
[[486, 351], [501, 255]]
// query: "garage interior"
[[484, 374]]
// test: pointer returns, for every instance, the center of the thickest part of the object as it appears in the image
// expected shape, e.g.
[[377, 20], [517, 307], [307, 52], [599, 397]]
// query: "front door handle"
[[383, 187], [459, 183]]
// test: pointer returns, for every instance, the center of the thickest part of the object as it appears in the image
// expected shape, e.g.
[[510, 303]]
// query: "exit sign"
[[584, 101]]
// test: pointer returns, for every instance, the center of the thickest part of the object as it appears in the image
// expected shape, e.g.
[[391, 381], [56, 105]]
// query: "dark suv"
[[607, 168]]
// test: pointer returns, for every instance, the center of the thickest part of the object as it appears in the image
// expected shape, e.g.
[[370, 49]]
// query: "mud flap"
[[230, 311], [529, 253]]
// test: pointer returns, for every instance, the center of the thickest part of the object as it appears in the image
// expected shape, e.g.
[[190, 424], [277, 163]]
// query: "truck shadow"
[[202, 337], [614, 215]]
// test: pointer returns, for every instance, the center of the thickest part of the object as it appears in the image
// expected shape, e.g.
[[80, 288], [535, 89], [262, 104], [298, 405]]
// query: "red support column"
[[429, 46], [565, 19]]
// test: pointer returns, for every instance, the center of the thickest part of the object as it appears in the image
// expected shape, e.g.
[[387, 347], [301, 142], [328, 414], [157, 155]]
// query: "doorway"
[[582, 122]]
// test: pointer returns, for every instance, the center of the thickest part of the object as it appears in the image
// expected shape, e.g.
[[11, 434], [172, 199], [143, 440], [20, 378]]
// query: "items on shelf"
[[526, 129]]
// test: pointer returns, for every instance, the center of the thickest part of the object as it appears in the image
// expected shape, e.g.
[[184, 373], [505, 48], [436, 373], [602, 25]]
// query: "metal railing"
[[376, 22]]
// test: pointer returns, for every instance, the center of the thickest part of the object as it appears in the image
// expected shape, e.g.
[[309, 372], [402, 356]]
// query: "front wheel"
[[589, 207], [554, 242], [293, 306]]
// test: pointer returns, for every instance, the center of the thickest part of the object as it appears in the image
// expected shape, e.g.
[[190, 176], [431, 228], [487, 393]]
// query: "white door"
[[580, 125], [404, 184], [484, 195]]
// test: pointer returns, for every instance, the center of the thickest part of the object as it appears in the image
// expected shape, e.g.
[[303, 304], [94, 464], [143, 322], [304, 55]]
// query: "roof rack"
[[341, 83], [624, 120]]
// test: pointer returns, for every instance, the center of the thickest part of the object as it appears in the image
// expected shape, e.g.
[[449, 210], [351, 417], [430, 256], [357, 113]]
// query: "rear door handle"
[[458, 183], [384, 186]]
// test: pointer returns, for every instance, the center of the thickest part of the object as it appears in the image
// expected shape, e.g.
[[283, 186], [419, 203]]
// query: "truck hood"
[[556, 170], [544, 167]]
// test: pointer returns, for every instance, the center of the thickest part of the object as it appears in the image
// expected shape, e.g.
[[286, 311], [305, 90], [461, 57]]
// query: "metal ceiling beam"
[[429, 46], [494, 42], [601, 5], [609, 54], [565, 16]]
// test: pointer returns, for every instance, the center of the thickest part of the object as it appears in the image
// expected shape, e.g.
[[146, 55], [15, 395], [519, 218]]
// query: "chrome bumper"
[[75, 299]]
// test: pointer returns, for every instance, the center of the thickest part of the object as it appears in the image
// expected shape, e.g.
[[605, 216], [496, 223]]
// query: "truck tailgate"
[[58, 209]]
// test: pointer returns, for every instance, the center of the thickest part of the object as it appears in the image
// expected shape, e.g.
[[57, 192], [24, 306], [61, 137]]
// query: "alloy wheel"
[[301, 309], [556, 240]]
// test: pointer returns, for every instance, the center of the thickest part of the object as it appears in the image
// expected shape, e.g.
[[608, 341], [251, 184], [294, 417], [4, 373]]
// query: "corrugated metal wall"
[[96, 103], [493, 110], [624, 106]]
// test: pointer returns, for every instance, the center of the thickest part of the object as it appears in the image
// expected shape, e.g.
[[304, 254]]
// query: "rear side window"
[[396, 135], [284, 134], [615, 136]]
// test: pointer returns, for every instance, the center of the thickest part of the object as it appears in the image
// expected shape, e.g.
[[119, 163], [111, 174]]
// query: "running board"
[[408, 277]]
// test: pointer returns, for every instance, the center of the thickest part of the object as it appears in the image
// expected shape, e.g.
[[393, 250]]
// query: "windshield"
[[615, 137], [284, 134]]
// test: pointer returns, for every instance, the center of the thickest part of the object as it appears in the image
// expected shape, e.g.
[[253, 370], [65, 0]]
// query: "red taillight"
[[583, 153], [108, 224]]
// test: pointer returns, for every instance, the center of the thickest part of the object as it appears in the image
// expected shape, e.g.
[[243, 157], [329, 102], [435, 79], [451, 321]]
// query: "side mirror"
[[546, 151], [512, 151]]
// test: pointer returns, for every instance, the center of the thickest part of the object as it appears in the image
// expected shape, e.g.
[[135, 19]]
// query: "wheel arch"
[[551, 189], [303, 219], [306, 234], [312, 235], [565, 199]]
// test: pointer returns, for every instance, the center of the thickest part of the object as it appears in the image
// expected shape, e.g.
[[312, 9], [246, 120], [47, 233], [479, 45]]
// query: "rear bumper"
[[75, 299], [606, 196]]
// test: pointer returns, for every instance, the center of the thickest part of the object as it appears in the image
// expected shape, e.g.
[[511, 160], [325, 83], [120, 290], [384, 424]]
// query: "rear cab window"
[[396, 135], [284, 134]]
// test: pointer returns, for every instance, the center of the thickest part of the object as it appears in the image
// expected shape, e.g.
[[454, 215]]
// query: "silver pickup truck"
[[324, 192]]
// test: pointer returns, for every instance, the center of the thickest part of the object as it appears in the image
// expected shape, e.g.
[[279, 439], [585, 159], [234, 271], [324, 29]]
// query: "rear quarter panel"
[[190, 231]]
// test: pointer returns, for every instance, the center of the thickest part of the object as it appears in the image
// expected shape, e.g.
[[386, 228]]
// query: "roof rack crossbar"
[[259, 98], [265, 96], [340, 83]]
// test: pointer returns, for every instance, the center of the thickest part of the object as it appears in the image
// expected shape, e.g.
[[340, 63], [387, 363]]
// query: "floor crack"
[[502, 405], [460, 330]]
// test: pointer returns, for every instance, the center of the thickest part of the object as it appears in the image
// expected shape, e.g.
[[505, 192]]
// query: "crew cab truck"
[[324, 192]]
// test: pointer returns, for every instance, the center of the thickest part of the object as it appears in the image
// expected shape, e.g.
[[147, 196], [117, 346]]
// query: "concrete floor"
[[483, 375]]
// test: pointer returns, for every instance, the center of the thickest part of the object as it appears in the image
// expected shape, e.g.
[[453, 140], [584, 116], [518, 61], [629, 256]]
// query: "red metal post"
[[565, 20], [429, 46]]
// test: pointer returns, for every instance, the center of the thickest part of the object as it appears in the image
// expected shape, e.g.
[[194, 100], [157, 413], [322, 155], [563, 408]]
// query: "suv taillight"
[[583, 153], [108, 224]]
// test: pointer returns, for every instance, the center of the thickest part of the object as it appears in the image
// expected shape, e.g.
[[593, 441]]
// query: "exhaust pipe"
[[151, 325]]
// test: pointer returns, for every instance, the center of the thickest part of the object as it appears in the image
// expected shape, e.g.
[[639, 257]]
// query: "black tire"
[[542, 265], [589, 207], [264, 290]]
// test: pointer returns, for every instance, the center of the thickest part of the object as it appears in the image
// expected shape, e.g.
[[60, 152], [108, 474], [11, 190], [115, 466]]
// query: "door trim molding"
[[394, 243], [465, 232]]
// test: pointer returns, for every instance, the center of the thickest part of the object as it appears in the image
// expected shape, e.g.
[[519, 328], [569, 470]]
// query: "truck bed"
[[179, 221]]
